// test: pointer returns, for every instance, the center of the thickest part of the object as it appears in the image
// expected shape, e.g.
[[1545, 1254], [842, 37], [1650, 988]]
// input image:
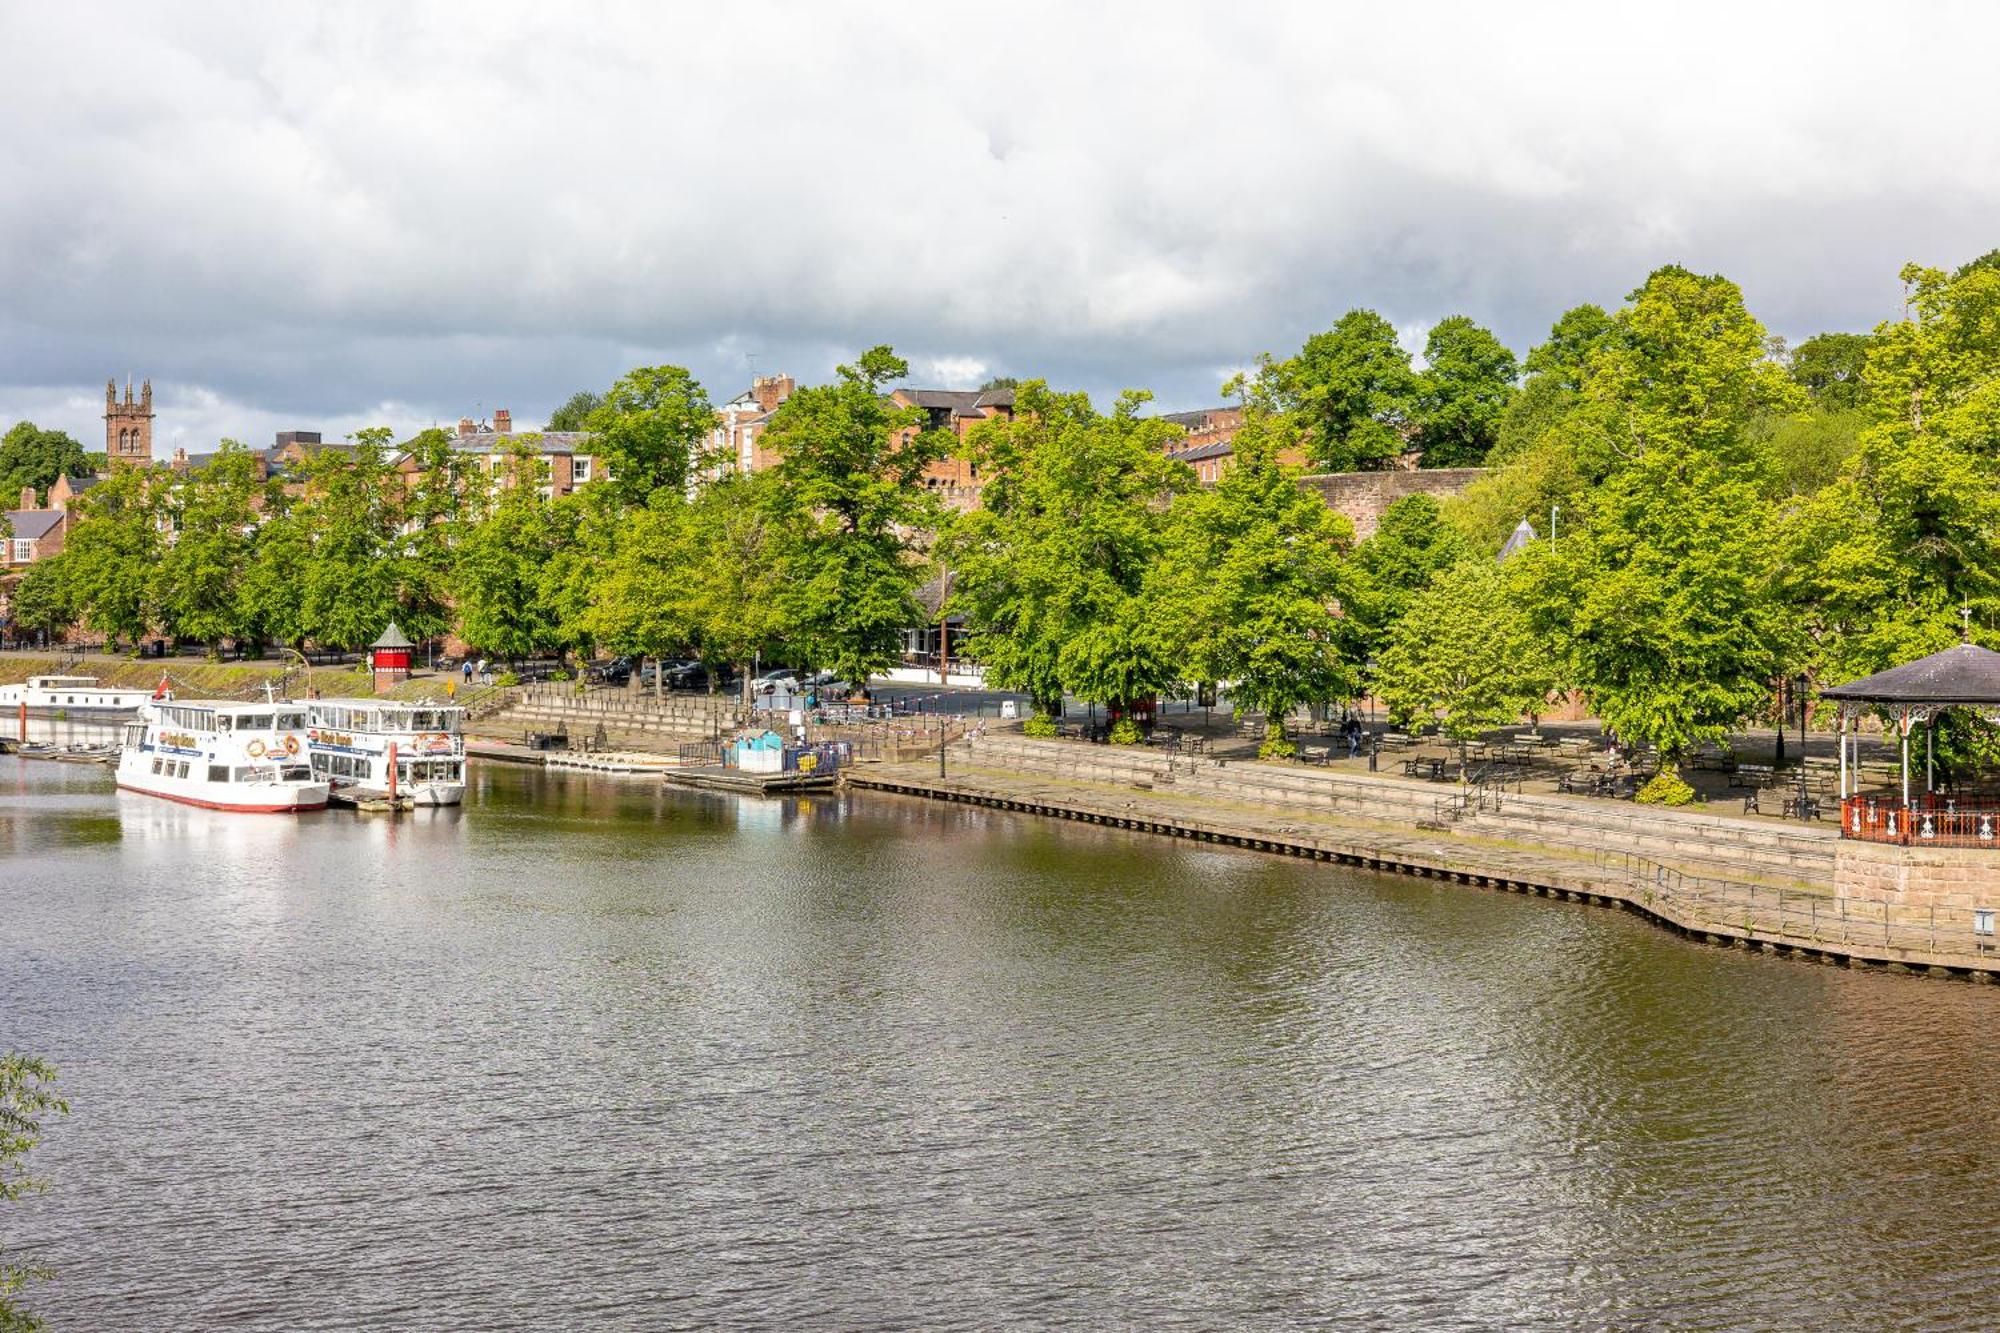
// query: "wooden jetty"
[[716, 778]]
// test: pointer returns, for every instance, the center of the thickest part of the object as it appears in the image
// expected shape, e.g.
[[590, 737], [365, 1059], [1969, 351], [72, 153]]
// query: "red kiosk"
[[390, 658]]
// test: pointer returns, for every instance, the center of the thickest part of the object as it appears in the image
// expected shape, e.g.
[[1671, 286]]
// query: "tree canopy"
[[32, 456]]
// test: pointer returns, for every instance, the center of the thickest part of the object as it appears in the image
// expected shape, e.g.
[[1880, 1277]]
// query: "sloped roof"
[[1962, 674], [1199, 452], [392, 637], [1524, 532], [1199, 417], [32, 523], [545, 442]]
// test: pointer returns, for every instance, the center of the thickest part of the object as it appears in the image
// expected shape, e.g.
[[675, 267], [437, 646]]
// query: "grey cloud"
[[305, 216]]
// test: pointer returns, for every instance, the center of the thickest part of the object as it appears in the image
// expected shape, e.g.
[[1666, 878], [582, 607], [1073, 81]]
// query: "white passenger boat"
[[224, 756], [356, 744], [76, 698]]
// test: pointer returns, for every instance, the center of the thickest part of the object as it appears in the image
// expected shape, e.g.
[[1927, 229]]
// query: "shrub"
[[1665, 789], [1126, 732], [1041, 724], [1276, 745], [508, 678], [559, 673]]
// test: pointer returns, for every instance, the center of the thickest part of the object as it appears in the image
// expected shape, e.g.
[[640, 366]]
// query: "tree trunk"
[[659, 680]]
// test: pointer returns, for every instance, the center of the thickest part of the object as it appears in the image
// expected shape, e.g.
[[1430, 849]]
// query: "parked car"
[[613, 671], [770, 681], [688, 676]]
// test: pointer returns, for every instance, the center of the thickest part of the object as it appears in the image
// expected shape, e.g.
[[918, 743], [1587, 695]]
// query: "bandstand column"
[[1905, 729], [1841, 743]]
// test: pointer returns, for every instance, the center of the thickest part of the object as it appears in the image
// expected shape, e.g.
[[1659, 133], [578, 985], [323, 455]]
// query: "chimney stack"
[[503, 421], [464, 426], [28, 497], [771, 390]]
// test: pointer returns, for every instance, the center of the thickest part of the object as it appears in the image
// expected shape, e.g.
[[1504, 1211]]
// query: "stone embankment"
[[612, 719], [1753, 884]]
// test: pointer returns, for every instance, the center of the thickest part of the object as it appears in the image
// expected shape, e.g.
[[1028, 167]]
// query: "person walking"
[[485, 672], [467, 667]]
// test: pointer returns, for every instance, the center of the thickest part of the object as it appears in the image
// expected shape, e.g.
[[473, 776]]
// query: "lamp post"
[[1778, 753]]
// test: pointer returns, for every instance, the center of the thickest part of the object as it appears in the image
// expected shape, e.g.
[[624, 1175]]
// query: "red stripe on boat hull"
[[218, 805]]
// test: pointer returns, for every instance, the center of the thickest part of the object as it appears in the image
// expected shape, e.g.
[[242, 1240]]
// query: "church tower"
[[128, 426]]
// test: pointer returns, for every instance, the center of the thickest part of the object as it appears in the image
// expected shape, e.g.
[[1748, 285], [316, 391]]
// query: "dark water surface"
[[591, 1054]]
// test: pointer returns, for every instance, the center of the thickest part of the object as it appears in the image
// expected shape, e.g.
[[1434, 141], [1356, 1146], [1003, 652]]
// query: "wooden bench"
[[1751, 775]]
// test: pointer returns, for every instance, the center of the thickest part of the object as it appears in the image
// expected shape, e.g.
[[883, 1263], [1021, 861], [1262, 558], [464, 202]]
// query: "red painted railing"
[[1934, 822]]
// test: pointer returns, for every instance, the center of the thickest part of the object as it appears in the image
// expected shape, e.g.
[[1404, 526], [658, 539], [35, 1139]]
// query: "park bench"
[[546, 740], [1751, 775]]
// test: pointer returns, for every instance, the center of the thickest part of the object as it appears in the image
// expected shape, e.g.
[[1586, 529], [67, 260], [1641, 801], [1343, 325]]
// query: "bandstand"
[[1910, 697]]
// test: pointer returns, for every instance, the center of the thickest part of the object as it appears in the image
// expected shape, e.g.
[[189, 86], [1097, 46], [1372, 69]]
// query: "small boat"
[[389, 750], [73, 698], [248, 757]]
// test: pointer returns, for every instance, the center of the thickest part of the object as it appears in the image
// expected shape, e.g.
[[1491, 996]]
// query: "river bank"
[[1724, 881]]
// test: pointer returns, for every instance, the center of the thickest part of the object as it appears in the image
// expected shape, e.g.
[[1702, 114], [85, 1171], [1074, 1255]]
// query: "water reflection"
[[594, 1052]]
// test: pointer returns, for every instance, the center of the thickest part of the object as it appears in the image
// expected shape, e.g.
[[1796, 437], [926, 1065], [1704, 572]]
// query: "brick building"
[[955, 479], [733, 446], [489, 446]]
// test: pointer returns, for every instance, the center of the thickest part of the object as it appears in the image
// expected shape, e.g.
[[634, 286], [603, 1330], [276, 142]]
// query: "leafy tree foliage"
[[1050, 571], [1251, 580], [1879, 563], [1465, 654], [1412, 544], [503, 603], [44, 601], [574, 414], [1462, 393], [31, 456], [28, 1097], [110, 554], [1354, 388], [1675, 634], [1829, 368], [197, 585], [649, 430], [1574, 339], [851, 476]]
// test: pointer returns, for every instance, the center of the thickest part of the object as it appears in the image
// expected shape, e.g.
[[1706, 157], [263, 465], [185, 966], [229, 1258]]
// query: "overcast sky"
[[324, 216]]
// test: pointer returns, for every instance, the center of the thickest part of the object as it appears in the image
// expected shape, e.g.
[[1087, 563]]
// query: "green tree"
[[44, 602], [1462, 393], [639, 600], [197, 584], [111, 552], [1412, 544], [1353, 387], [31, 456], [1829, 367], [28, 1098], [650, 429], [736, 540], [1250, 584], [435, 503], [850, 481], [1465, 655], [347, 581], [502, 603], [1578, 335], [1676, 633], [1050, 572], [1878, 564], [574, 414]]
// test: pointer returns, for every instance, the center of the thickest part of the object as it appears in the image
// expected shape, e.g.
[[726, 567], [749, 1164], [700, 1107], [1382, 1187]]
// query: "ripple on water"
[[594, 1054]]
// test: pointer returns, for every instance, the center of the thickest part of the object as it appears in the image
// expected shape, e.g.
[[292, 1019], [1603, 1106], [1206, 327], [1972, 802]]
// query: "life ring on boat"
[[255, 749], [291, 745]]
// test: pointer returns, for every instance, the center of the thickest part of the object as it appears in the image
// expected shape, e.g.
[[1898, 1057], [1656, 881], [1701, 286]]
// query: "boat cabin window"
[[254, 722], [219, 772], [295, 773], [291, 721]]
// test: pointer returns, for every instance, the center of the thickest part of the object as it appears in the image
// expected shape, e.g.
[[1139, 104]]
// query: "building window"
[[24, 550], [579, 469]]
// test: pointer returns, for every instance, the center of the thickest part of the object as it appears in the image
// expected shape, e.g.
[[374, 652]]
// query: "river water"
[[592, 1054]]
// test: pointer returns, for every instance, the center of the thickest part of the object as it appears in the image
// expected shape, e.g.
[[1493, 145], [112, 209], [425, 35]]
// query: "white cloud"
[[314, 213]]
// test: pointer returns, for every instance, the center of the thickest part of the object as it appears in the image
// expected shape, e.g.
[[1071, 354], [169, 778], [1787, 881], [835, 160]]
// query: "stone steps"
[[1702, 843]]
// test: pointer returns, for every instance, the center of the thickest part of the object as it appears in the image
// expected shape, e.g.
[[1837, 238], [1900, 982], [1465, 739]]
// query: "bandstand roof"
[[392, 637], [1964, 674]]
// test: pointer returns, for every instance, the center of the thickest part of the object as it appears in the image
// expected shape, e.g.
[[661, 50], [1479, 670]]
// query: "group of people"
[[484, 670]]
